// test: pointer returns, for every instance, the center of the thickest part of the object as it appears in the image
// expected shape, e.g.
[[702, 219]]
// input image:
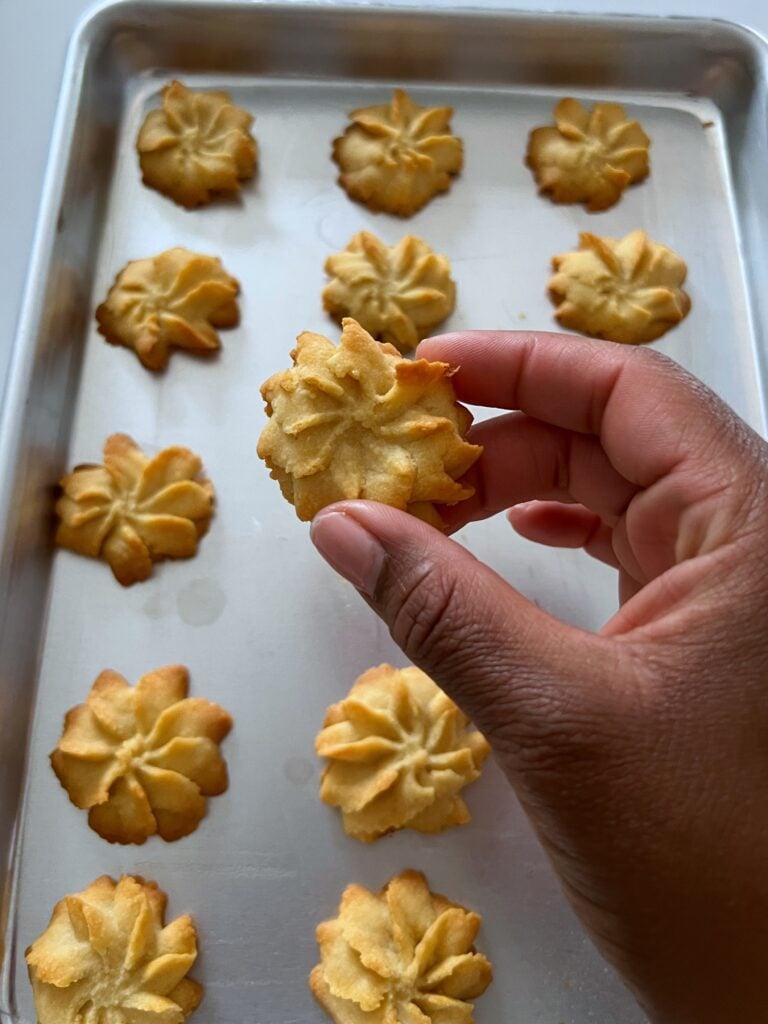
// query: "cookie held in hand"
[[142, 759], [397, 293], [174, 300], [588, 156], [622, 289], [399, 752], [107, 955], [397, 156], [356, 420], [403, 954], [196, 145], [133, 511]]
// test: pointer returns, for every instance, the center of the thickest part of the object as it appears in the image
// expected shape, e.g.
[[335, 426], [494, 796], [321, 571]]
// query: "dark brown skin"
[[640, 753]]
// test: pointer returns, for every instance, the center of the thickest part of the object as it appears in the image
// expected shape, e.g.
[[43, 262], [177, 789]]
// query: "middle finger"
[[525, 459]]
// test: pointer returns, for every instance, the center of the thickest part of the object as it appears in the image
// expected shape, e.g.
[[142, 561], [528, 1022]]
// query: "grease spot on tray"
[[201, 602], [157, 605], [298, 770]]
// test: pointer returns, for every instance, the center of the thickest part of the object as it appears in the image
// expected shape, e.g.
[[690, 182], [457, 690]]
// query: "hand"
[[639, 753]]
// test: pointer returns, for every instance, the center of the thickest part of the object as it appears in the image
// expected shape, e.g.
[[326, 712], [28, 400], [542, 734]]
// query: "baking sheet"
[[265, 627]]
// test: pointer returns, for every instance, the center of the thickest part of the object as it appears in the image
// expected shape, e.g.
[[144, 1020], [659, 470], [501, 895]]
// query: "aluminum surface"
[[265, 627]]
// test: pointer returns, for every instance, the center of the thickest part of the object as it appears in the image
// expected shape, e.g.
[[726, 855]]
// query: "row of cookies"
[[629, 290], [144, 760], [198, 145], [393, 157], [402, 954]]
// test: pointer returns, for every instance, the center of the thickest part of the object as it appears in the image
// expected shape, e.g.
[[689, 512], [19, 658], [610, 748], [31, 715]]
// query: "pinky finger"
[[564, 526]]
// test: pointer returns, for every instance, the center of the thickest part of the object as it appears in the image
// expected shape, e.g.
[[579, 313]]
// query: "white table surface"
[[33, 41]]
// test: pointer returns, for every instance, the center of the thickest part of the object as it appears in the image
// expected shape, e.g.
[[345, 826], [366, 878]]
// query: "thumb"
[[526, 679]]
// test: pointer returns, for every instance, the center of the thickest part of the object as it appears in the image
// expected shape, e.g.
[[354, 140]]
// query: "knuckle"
[[423, 611], [652, 357], [435, 616]]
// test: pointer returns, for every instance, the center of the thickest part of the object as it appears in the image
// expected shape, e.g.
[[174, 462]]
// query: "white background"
[[33, 41]]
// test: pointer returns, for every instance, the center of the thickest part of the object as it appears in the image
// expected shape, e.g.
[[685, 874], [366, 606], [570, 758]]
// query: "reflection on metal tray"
[[265, 627]]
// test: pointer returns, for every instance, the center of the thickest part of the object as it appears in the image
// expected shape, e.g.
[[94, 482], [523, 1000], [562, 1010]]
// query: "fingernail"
[[518, 511], [349, 549]]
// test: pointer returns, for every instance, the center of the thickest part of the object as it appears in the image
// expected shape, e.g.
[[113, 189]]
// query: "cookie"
[[142, 759], [588, 156], [196, 146], [399, 752], [397, 293], [133, 511], [174, 300], [107, 955], [356, 420], [403, 954], [628, 290], [397, 156]]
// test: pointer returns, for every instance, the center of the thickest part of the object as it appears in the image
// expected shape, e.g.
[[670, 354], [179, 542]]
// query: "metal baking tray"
[[265, 627]]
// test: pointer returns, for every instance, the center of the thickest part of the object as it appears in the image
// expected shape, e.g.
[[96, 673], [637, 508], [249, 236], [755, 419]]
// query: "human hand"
[[639, 753]]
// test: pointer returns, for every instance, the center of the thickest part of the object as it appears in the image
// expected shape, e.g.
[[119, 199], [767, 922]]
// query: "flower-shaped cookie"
[[107, 957], [358, 421], [396, 156], [397, 294], [175, 299], [399, 752], [590, 156], [142, 759], [402, 956], [628, 290], [134, 511], [196, 145]]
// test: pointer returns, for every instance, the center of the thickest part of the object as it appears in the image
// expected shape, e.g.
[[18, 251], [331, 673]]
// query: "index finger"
[[649, 414]]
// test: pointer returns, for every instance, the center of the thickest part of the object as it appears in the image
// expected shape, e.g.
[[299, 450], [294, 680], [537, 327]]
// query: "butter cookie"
[[588, 156], [628, 290], [174, 300], [356, 420], [396, 156], [132, 510], [196, 145], [107, 955], [404, 954], [142, 759], [397, 293], [399, 752]]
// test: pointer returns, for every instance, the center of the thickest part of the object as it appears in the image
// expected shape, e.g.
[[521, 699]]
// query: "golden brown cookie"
[[142, 759], [173, 300], [356, 420], [589, 156], [399, 753], [396, 156], [398, 293], [404, 954], [622, 289], [107, 955], [133, 511], [196, 146]]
